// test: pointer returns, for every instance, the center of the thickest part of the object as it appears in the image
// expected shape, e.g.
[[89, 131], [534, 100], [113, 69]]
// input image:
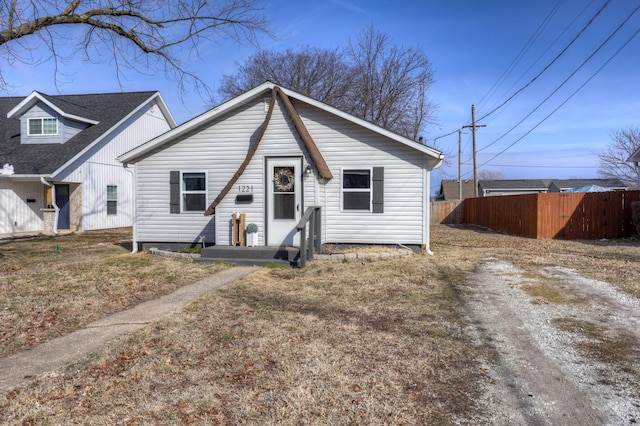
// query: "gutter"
[[134, 216], [53, 203]]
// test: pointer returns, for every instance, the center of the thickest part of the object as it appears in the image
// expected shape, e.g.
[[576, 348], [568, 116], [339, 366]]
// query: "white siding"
[[98, 168], [345, 145], [221, 146], [219, 149], [16, 214]]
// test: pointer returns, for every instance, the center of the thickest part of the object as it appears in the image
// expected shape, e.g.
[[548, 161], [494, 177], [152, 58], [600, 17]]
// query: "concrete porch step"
[[251, 255]]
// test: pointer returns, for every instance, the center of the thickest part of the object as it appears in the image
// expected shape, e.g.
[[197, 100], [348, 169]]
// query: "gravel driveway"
[[573, 362]]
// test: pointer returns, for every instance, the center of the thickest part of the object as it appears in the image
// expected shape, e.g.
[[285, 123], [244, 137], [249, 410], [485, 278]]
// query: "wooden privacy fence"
[[447, 212], [564, 215]]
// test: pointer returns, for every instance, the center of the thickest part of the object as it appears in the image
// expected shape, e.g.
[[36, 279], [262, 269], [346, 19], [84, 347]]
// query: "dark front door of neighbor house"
[[62, 201]]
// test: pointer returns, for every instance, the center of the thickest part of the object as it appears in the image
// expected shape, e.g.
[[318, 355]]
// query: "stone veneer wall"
[[48, 218], [75, 207]]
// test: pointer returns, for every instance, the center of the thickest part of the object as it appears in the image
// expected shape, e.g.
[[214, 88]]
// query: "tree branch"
[[149, 27]]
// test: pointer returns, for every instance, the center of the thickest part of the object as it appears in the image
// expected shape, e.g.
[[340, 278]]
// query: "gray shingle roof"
[[43, 159], [577, 183], [513, 184]]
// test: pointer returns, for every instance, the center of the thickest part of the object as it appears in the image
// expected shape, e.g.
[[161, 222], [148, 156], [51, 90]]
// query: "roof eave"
[[132, 155], [155, 95], [136, 153], [36, 97], [373, 127]]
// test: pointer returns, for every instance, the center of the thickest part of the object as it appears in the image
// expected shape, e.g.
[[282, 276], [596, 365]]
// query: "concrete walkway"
[[24, 366]]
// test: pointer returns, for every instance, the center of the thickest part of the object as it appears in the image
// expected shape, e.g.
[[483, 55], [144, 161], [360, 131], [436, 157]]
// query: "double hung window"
[[194, 191], [112, 199], [42, 126], [363, 189], [356, 189]]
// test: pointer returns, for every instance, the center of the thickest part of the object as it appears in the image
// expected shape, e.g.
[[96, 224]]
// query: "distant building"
[[450, 190], [58, 159], [635, 159], [489, 188], [563, 185]]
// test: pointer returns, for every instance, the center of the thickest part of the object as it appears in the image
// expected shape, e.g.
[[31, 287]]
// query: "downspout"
[[637, 164], [427, 204], [53, 203], [426, 194], [134, 216]]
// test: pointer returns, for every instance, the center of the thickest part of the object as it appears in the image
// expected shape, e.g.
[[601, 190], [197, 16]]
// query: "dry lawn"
[[46, 293], [378, 342]]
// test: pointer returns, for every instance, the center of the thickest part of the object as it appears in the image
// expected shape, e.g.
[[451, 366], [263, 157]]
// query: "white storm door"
[[284, 189]]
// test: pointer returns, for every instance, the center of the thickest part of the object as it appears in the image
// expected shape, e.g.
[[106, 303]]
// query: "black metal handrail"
[[310, 245]]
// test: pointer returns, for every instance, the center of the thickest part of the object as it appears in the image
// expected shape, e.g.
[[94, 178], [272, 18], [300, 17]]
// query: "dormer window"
[[43, 126]]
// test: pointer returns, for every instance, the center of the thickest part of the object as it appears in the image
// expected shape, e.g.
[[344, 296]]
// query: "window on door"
[[284, 193]]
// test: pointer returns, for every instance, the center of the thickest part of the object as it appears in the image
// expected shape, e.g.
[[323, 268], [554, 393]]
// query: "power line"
[[517, 92], [570, 96], [549, 47], [448, 134], [541, 166], [524, 50], [565, 80]]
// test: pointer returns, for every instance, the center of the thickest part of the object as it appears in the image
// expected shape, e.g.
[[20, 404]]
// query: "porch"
[[308, 228], [236, 255]]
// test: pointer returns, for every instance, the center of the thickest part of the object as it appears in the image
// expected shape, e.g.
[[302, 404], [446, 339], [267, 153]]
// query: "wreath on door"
[[283, 180]]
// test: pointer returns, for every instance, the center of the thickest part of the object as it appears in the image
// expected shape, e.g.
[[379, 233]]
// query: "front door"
[[62, 201], [284, 189]]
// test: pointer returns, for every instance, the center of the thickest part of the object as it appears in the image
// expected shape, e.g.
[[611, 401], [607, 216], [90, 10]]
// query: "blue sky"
[[473, 46]]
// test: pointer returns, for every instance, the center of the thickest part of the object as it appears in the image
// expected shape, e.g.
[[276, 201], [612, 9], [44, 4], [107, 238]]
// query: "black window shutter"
[[174, 187], [378, 190]]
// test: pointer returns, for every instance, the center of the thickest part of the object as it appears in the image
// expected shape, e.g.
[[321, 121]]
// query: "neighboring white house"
[[635, 159], [278, 152], [58, 167]]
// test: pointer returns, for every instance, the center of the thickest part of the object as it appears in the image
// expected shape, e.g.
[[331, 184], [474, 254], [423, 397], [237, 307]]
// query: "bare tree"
[[391, 84], [371, 79], [142, 35], [613, 161], [318, 73], [490, 175]]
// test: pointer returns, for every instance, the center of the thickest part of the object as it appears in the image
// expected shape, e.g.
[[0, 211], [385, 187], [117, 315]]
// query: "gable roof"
[[450, 189], [64, 108], [141, 151], [611, 183], [513, 184], [314, 153], [635, 156], [103, 113]]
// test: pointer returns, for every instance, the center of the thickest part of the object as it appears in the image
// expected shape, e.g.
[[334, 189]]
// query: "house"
[[452, 189], [635, 159], [271, 154], [563, 185], [489, 188], [58, 158]]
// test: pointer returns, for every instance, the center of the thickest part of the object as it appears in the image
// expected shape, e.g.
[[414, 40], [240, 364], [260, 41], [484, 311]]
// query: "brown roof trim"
[[212, 208], [314, 152]]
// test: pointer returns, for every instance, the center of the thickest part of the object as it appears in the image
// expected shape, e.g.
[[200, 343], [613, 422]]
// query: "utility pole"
[[459, 164], [473, 127]]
